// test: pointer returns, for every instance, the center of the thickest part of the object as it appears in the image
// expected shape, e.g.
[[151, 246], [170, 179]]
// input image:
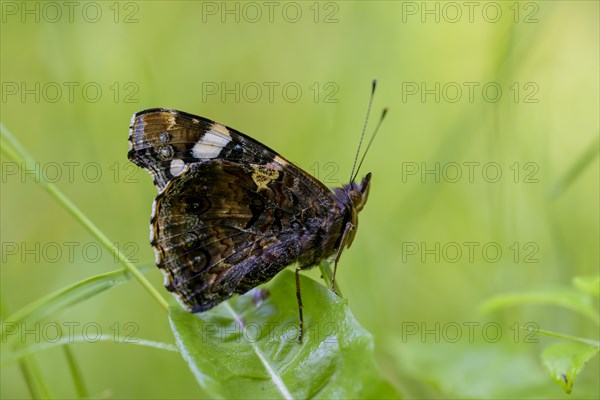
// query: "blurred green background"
[[474, 90]]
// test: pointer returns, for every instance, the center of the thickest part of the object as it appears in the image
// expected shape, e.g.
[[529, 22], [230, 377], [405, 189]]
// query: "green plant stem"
[[31, 374], [589, 342], [327, 274], [29, 380], [80, 387], [66, 297], [576, 169], [19, 154], [21, 354]]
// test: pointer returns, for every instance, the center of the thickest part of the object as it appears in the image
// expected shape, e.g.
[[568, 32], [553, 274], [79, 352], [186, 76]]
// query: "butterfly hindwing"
[[213, 231]]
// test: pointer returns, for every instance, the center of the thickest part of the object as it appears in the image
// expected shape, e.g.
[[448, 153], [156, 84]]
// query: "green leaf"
[[565, 360], [248, 348], [568, 298], [588, 284]]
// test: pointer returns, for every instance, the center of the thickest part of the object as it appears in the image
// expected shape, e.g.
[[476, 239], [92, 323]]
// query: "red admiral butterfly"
[[231, 213]]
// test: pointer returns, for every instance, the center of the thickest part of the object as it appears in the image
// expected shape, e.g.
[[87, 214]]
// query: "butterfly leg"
[[338, 254], [333, 276], [299, 297]]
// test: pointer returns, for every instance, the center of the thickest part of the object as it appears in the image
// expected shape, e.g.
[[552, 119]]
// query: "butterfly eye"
[[355, 197]]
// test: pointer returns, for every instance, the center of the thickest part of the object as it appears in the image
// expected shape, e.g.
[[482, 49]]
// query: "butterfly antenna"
[[383, 114], [364, 128]]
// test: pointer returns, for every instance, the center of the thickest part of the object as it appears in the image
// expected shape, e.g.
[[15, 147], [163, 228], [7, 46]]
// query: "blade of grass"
[[584, 160], [31, 374], [15, 356], [60, 301], [80, 387], [29, 379], [69, 296], [13, 149], [36, 376]]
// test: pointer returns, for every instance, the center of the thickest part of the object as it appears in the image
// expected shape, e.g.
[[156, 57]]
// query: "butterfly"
[[231, 212]]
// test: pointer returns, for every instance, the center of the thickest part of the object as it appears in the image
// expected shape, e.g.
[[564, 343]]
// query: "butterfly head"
[[351, 198], [359, 192]]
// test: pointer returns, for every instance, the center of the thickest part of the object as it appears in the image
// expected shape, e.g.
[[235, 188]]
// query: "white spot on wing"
[[213, 141], [157, 257], [152, 232], [177, 166]]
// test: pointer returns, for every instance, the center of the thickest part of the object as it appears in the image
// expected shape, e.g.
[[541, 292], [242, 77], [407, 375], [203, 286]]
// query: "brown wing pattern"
[[230, 212], [216, 232]]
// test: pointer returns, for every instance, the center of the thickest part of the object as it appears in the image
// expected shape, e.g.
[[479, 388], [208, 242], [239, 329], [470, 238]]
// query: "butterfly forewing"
[[164, 141]]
